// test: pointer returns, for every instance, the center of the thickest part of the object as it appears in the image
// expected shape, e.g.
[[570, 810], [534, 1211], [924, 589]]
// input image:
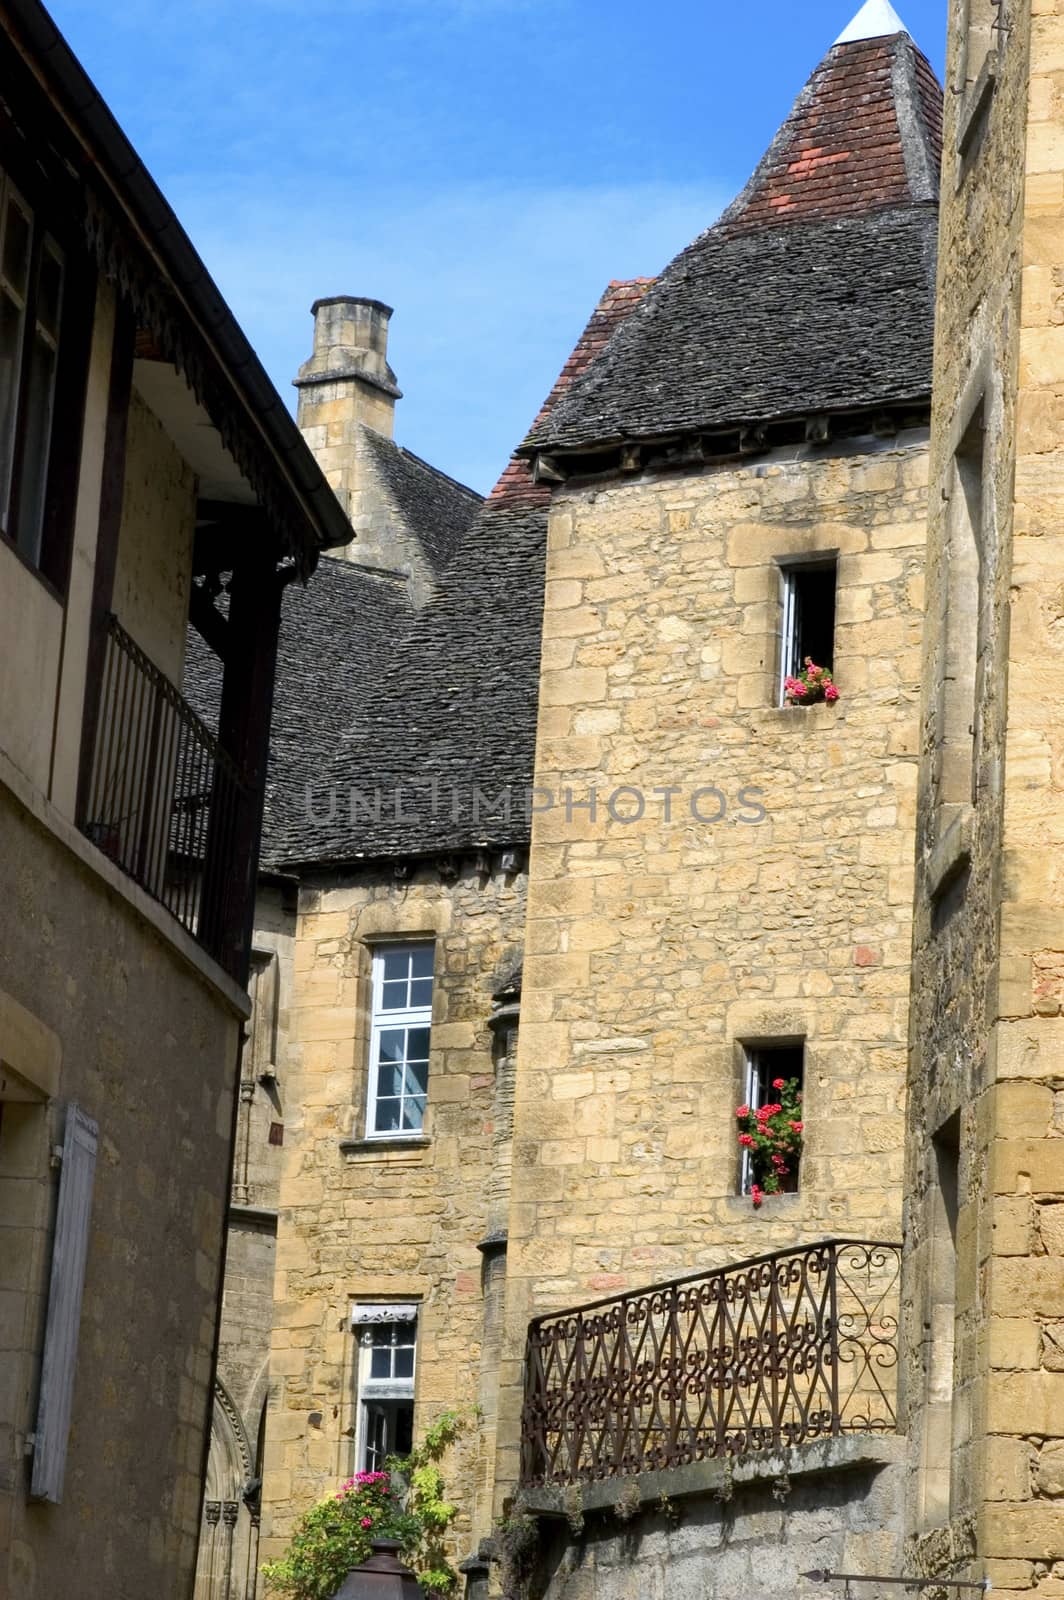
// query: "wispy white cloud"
[[491, 286]]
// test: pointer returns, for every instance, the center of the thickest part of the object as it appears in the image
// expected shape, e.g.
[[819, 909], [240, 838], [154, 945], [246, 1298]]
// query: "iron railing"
[[164, 799], [788, 1347]]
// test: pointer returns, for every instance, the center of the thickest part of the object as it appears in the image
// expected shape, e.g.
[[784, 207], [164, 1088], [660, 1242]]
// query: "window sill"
[[390, 1145], [770, 1204], [817, 716]]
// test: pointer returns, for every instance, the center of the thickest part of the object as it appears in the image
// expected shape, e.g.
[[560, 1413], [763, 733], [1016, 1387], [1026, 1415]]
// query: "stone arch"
[[223, 1560]]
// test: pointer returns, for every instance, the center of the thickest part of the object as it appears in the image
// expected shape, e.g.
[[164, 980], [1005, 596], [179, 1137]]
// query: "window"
[[939, 1323], [399, 1041], [765, 1064], [965, 625], [387, 1341], [33, 286], [808, 618]]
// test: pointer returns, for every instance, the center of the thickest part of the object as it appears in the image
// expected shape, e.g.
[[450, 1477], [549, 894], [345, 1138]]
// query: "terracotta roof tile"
[[619, 299], [848, 144]]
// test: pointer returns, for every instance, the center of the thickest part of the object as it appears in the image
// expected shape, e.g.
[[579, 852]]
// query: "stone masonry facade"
[[657, 948], [362, 1220]]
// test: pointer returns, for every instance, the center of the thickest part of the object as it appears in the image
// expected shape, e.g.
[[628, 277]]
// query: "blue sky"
[[484, 166]]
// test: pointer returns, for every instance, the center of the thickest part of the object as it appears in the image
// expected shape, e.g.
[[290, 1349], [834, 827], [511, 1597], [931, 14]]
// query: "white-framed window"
[[399, 1039], [808, 620], [387, 1351], [764, 1065]]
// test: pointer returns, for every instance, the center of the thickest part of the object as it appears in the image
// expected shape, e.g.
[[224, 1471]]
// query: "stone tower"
[[984, 1329]]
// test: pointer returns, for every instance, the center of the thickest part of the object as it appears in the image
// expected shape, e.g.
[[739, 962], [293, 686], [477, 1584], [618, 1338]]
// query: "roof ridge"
[[412, 455]]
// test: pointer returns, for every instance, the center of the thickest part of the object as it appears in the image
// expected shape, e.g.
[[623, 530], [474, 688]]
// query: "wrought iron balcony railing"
[[784, 1348], [164, 798]]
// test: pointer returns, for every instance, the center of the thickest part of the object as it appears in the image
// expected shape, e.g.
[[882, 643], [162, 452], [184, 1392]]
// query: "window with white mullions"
[[387, 1338], [400, 1036]]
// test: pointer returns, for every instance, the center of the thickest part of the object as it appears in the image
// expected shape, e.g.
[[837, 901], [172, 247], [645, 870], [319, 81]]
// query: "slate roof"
[[435, 508], [814, 292], [337, 636], [454, 700]]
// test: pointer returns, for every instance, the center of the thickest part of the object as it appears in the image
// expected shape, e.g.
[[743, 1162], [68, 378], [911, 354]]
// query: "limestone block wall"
[[367, 1220], [983, 1327], [659, 947], [146, 1044]]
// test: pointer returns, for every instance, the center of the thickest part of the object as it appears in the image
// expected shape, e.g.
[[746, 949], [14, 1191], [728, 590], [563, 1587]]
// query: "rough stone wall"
[[370, 1220], [656, 947], [231, 1555], [987, 989], [148, 1048], [753, 1537]]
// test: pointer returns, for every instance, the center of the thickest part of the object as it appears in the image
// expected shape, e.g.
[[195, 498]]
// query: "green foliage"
[[772, 1136], [405, 1503], [517, 1550]]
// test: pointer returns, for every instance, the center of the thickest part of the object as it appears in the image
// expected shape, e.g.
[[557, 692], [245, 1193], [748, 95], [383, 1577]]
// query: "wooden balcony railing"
[[164, 799], [772, 1352]]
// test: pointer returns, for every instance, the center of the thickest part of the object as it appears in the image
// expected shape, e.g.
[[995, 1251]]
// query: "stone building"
[[730, 475], [721, 894], [399, 632], [984, 1315], [146, 465]]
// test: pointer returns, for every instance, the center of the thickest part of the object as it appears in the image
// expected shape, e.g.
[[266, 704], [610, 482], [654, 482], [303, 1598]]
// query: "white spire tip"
[[875, 20]]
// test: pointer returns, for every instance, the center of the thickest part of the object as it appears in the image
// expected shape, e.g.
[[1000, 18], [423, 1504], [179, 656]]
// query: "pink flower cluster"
[[814, 684], [365, 1480]]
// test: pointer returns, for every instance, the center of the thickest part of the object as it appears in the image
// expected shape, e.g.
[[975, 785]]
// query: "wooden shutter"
[[64, 1305]]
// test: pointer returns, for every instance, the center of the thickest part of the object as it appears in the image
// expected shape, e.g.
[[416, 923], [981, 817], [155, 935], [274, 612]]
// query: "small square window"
[[808, 628], [775, 1075]]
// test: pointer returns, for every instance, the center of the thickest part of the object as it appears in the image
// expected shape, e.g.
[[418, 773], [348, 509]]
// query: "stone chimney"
[[345, 387]]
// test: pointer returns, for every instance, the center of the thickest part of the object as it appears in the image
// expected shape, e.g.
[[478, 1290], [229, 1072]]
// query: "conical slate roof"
[[813, 293]]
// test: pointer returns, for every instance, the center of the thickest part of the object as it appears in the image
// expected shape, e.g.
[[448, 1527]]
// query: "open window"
[[808, 620], [775, 1077], [387, 1348]]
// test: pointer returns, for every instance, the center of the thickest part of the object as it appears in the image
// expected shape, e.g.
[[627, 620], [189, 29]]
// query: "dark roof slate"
[[456, 700], [337, 636], [815, 290], [435, 508]]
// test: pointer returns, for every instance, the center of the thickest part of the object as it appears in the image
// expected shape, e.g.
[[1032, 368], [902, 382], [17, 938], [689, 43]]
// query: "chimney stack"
[[347, 385]]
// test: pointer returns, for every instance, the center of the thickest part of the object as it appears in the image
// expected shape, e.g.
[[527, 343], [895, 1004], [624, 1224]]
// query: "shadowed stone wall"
[[985, 1164]]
